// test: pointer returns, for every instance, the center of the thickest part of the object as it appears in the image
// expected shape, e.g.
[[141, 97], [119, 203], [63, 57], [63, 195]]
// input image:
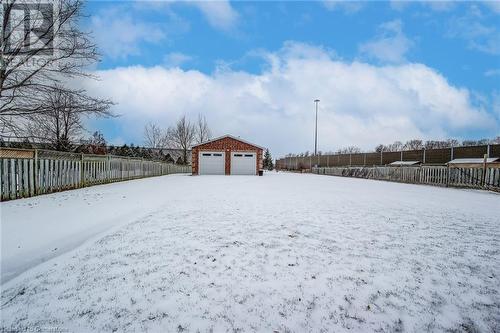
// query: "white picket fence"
[[486, 177], [28, 172]]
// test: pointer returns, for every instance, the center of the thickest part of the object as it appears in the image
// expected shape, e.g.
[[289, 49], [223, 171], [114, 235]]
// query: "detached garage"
[[226, 155]]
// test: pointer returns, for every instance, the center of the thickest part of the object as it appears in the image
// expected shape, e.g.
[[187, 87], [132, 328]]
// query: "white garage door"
[[243, 163], [211, 163]]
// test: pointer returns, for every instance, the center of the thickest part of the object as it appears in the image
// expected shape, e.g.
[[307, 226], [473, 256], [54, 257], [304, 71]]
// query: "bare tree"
[[203, 132], [349, 150], [379, 148], [154, 136], [38, 50], [395, 146], [439, 144], [96, 144], [414, 144], [61, 118], [182, 136]]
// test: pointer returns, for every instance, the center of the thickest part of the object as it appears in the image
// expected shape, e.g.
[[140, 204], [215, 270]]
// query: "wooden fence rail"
[[26, 172], [485, 177]]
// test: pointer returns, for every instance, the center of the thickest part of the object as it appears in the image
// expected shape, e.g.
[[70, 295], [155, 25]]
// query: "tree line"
[[182, 135], [414, 144], [97, 145]]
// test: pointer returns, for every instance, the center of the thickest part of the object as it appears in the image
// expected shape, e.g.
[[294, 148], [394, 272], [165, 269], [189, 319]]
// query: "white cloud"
[[496, 103], [120, 30], [390, 45], [493, 5], [492, 72], [220, 14], [361, 104], [118, 34], [176, 59], [478, 34], [347, 7], [438, 6]]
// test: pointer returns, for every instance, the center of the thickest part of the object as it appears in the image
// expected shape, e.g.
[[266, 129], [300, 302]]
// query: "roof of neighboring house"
[[405, 163], [473, 160], [231, 137]]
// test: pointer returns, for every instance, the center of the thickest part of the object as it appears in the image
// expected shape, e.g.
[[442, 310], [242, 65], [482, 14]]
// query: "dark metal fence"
[[424, 156]]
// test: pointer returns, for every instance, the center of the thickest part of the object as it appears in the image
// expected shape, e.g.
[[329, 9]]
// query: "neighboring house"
[[226, 155], [472, 162], [173, 152], [405, 163]]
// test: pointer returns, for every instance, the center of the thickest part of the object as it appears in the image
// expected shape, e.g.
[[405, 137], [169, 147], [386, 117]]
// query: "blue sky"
[[262, 47]]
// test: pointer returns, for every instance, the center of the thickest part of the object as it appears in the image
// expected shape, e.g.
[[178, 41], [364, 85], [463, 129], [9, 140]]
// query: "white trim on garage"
[[243, 163], [212, 163]]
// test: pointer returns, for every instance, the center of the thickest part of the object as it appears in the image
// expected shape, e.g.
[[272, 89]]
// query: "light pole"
[[316, 101]]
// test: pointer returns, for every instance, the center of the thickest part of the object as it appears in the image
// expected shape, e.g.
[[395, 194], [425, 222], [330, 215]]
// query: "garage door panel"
[[211, 163], [243, 163]]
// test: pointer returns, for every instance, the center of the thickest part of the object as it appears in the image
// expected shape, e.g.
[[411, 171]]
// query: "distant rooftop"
[[473, 160], [397, 163]]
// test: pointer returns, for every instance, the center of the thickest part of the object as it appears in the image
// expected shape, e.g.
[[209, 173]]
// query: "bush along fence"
[[29, 172], [486, 176], [424, 156]]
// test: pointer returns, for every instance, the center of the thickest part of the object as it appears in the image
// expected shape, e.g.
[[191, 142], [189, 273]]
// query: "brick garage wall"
[[227, 145]]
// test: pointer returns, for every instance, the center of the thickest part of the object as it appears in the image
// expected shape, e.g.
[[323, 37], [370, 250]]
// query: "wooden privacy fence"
[[27, 172], [486, 176]]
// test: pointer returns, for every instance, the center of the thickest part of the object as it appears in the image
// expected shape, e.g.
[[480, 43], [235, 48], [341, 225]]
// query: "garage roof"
[[231, 137]]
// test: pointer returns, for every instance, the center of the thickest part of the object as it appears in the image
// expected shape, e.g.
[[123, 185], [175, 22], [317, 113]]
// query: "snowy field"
[[283, 252]]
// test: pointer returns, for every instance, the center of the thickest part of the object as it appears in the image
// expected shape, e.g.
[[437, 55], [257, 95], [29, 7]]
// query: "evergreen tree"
[[167, 158], [268, 161]]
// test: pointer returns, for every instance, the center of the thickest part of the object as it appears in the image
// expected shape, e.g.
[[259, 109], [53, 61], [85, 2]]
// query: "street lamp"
[[316, 101]]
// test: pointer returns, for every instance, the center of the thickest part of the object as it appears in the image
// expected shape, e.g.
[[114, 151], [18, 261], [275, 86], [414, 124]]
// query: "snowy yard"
[[283, 252]]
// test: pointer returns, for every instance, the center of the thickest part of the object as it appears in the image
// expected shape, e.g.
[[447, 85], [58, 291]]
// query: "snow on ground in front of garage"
[[284, 252]]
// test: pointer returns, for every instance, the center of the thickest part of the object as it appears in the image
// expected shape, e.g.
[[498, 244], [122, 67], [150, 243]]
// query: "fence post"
[[451, 153], [483, 178], [488, 150], [350, 159], [35, 172], [108, 165], [424, 157], [381, 159], [401, 155], [448, 176], [82, 173]]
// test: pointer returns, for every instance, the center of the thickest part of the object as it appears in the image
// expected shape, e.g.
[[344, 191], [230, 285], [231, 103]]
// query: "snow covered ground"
[[283, 252]]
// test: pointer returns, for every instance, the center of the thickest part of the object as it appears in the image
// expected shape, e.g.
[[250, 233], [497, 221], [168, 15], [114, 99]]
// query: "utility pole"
[[316, 101]]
